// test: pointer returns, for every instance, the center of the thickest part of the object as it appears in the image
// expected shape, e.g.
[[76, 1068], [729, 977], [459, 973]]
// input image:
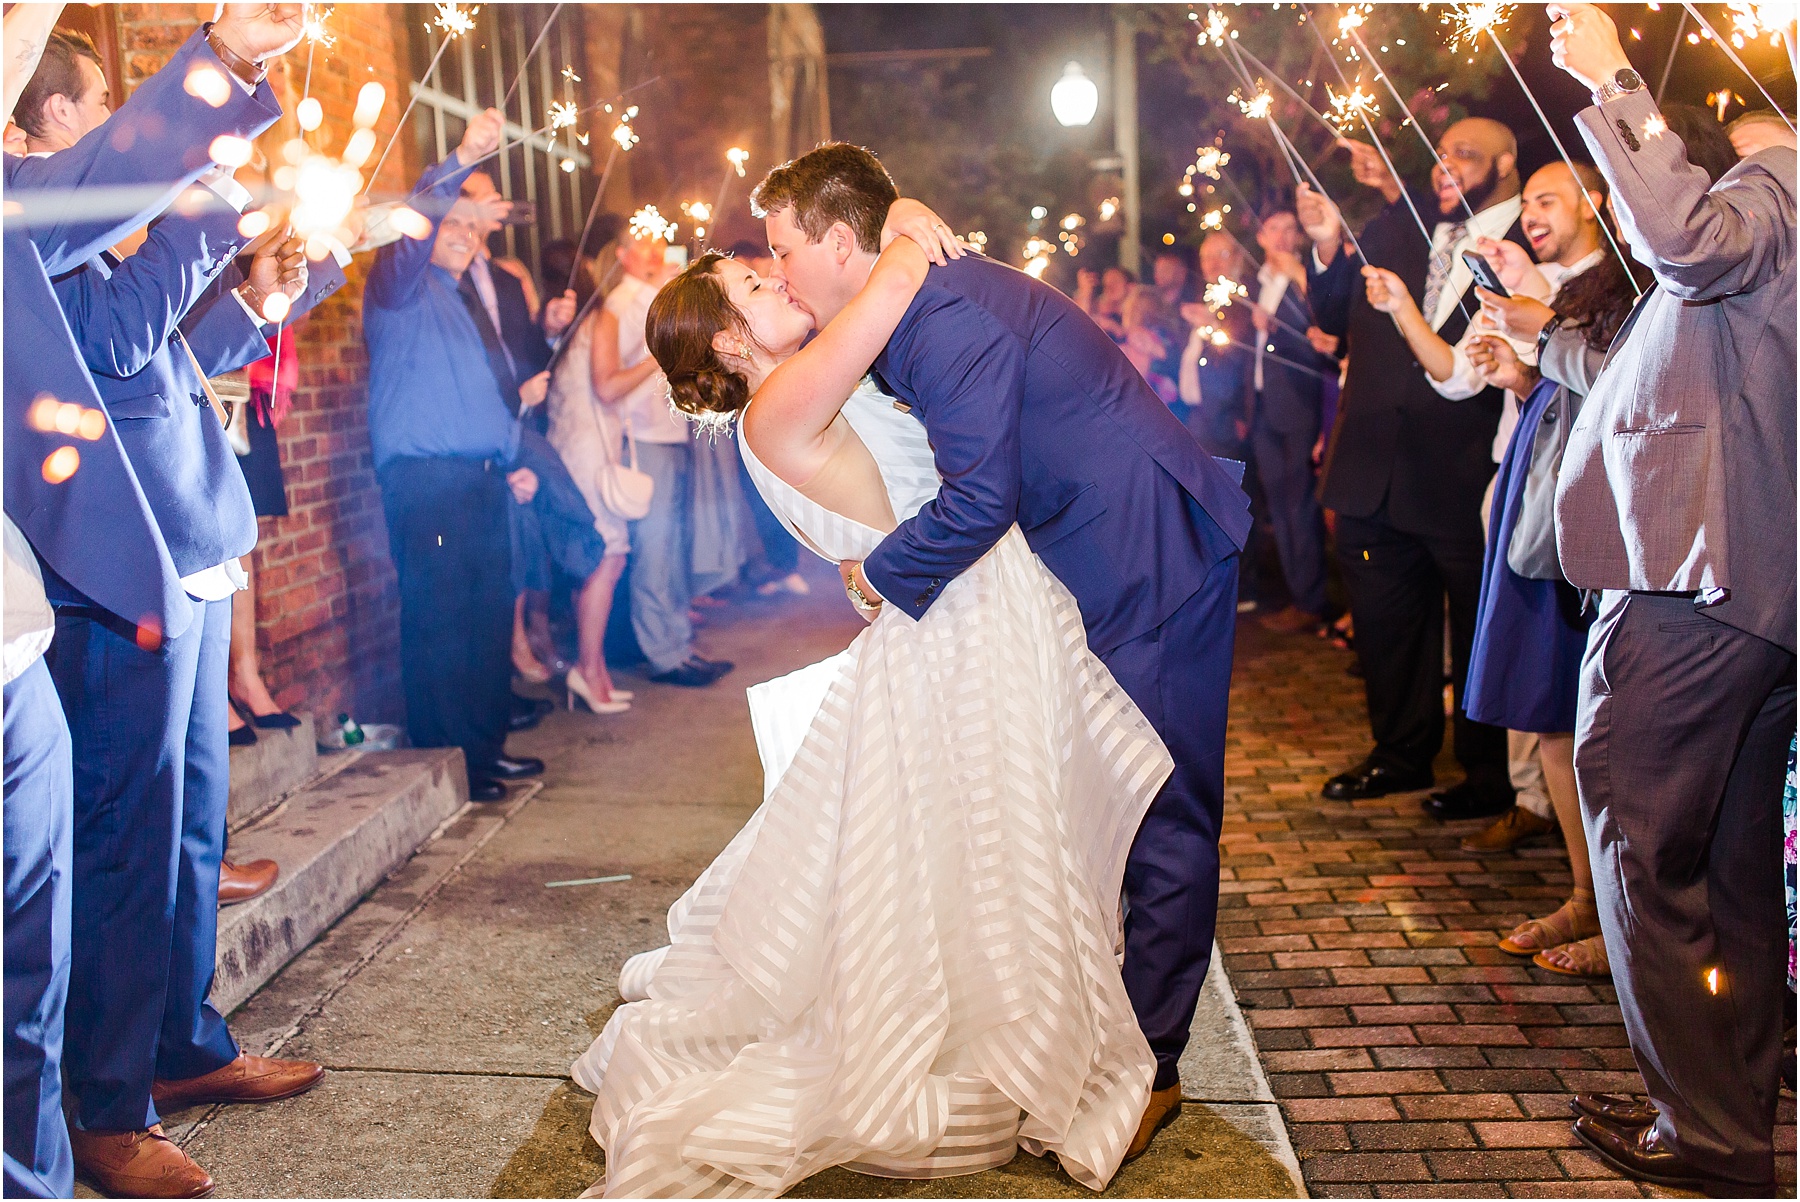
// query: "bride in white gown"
[[906, 962]]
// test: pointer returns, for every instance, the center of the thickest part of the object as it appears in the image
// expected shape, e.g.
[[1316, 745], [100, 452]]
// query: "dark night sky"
[[1030, 43]]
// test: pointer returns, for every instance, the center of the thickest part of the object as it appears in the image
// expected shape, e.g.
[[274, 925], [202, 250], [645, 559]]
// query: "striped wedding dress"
[[905, 963]]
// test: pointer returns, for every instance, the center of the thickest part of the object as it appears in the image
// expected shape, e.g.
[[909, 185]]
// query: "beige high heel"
[[617, 703]]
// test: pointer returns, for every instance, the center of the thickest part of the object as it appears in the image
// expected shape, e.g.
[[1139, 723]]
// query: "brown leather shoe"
[[137, 1164], [1614, 1108], [241, 882], [1513, 828], [1164, 1108], [246, 1079], [1291, 620]]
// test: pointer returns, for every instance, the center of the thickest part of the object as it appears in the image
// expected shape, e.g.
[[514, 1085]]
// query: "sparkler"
[[1555, 140], [562, 114], [735, 158], [1469, 21], [1347, 106], [649, 224], [1754, 18], [612, 156], [529, 54], [1257, 105], [1221, 292], [1209, 159], [453, 21], [1751, 21]]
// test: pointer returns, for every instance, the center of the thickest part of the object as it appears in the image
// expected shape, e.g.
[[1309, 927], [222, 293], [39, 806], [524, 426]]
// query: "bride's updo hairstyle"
[[684, 316]]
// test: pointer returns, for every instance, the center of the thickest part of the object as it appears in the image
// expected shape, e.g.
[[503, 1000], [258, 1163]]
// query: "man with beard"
[[1407, 468]]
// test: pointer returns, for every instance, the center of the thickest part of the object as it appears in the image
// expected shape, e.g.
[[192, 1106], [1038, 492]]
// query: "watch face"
[[1628, 80]]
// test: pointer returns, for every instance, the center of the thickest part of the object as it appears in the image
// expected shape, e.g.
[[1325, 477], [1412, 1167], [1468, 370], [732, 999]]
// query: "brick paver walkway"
[[1412, 1056]]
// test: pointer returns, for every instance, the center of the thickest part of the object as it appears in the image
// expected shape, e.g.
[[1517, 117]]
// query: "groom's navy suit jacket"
[[1037, 418]]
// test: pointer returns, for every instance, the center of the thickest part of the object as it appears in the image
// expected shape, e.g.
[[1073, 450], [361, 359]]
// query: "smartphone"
[[1484, 273], [676, 256]]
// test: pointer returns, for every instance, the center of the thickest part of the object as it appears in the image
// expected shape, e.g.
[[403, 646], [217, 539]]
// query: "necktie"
[[498, 360], [1439, 271]]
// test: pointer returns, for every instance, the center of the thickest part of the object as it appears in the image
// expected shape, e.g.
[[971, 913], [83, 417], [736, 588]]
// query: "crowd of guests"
[[523, 448], [1565, 489]]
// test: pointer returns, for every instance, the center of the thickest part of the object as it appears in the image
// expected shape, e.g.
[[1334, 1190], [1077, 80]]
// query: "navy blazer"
[[524, 338], [131, 320], [1397, 443], [95, 531], [1036, 418]]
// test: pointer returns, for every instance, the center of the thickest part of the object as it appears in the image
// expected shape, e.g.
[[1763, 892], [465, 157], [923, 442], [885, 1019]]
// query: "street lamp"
[[1074, 99]]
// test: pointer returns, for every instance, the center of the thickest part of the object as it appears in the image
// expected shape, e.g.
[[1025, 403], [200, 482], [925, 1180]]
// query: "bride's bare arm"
[[799, 400]]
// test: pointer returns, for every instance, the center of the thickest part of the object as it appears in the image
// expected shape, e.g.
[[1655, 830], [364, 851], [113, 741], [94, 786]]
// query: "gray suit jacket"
[[1679, 473]]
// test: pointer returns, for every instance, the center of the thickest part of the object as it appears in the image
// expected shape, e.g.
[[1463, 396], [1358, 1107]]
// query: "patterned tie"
[[1439, 271]]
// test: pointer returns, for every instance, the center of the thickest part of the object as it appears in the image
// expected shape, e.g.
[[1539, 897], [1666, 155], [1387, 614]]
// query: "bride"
[[906, 962]]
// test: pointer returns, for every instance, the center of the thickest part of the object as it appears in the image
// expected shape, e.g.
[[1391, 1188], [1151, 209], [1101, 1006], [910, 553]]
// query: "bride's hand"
[[908, 218]]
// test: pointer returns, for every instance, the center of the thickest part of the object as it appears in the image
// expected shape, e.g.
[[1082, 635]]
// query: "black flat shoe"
[[514, 768], [1369, 779], [280, 720], [243, 736], [1468, 800], [486, 790], [693, 673]]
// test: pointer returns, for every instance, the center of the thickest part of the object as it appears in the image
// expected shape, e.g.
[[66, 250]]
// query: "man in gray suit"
[[1676, 503]]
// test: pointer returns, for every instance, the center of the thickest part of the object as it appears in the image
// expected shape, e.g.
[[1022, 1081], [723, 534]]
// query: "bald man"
[[1407, 467]]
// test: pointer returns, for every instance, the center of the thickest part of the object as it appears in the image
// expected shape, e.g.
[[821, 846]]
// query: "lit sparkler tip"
[[650, 225], [1213, 220], [1209, 159], [563, 114], [738, 156], [568, 73], [1216, 25], [313, 27], [1469, 21], [623, 135], [454, 20], [1222, 292]]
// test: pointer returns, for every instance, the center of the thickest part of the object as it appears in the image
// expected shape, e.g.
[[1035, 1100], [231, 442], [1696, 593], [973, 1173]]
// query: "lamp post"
[[1074, 99]]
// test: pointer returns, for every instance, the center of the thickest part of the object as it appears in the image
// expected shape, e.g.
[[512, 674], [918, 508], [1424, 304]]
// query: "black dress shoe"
[[1639, 1152], [527, 712], [486, 790], [1615, 1109], [1369, 779], [692, 673], [1468, 800], [718, 667], [243, 736], [514, 768], [276, 721]]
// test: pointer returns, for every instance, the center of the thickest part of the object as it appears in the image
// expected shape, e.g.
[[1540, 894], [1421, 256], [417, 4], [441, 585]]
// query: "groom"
[[1037, 419]]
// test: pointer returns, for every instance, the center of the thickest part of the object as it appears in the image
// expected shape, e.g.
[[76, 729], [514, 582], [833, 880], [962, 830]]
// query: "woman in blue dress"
[[1530, 631]]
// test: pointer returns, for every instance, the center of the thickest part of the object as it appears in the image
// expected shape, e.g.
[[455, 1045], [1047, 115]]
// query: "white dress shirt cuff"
[[217, 582]]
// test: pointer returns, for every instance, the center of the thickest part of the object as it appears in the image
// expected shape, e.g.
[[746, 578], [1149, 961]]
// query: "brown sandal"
[[1554, 931], [1588, 957]]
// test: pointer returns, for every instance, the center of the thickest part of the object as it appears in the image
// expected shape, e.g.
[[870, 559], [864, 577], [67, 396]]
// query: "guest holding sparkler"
[[1407, 469], [442, 418], [1676, 503]]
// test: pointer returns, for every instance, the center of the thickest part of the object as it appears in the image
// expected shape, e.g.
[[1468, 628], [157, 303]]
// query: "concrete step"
[[279, 762], [335, 841]]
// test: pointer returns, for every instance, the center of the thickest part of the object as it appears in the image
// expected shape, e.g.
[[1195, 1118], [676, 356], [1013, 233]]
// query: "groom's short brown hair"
[[836, 182]]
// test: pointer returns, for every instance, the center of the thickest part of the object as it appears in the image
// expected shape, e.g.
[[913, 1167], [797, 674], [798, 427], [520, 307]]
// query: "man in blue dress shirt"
[[442, 406], [90, 527]]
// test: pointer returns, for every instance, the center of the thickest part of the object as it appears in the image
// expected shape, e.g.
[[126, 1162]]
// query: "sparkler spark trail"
[[1216, 25], [1222, 292], [1208, 160], [1723, 45], [623, 136], [735, 158], [1469, 21], [1346, 107], [562, 114], [1257, 105], [649, 224], [529, 54], [1751, 21], [454, 22]]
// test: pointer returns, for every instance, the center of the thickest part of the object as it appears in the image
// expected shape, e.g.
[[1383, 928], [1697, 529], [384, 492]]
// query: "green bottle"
[[353, 734]]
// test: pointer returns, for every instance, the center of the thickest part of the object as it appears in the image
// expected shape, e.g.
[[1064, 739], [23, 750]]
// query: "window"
[[547, 171]]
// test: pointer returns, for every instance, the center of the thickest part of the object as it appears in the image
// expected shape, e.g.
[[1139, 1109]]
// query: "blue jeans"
[[661, 552], [39, 821]]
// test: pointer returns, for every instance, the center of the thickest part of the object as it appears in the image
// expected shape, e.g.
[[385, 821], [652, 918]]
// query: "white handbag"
[[623, 488]]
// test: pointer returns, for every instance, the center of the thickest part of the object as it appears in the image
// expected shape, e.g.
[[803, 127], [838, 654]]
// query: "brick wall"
[[327, 607]]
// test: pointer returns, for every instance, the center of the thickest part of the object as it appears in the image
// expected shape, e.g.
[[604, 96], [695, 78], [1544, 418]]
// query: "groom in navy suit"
[[1037, 419]]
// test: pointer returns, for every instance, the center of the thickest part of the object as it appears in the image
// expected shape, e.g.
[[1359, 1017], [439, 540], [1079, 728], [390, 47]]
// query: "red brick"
[[1490, 1166], [1339, 1110], [1316, 1060], [1402, 1014], [1410, 1137], [1366, 1166], [1484, 1036], [1361, 1037], [1459, 1106], [1401, 1081], [1547, 1134]]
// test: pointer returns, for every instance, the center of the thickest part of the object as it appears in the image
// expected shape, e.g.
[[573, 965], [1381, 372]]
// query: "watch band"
[[251, 72], [1612, 89], [1544, 335], [858, 597]]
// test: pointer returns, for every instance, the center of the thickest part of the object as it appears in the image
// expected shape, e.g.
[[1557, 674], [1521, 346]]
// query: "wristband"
[[1543, 338], [252, 73]]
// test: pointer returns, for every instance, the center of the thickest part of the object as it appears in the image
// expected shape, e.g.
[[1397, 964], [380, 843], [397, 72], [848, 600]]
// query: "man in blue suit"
[[77, 500], [1037, 419]]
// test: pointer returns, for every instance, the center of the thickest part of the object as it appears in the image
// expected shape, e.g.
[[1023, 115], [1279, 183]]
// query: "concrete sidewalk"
[[450, 1003]]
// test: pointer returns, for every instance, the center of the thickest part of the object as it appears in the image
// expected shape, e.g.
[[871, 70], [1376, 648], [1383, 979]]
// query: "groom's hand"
[[866, 599]]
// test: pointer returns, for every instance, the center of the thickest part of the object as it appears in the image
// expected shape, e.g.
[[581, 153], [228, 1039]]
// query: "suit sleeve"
[[1705, 240], [120, 321], [223, 335], [968, 373], [400, 266], [1329, 291], [129, 168]]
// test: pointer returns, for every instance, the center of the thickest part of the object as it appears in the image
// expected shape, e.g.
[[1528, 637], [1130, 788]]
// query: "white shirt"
[[1464, 381], [646, 408], [29, 622], [1268, 299], [1491, 222]]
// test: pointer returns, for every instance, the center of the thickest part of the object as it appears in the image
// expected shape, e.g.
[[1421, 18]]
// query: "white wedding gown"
[[905, 962]]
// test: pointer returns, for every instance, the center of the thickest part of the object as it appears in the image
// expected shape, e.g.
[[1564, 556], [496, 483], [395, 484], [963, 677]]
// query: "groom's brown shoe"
[[246, 1079], [1164, 1108]]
